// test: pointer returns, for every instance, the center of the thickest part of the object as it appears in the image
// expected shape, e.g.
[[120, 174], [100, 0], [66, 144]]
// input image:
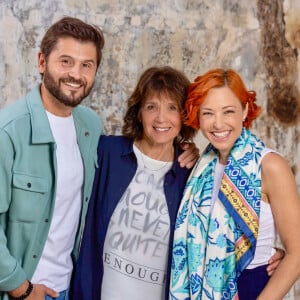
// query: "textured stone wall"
[[258, 38]]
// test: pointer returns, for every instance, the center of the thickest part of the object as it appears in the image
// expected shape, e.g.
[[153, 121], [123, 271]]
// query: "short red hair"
[[213, 79]]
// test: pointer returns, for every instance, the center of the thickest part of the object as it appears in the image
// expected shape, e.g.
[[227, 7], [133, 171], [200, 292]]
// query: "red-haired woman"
[[239, 195]]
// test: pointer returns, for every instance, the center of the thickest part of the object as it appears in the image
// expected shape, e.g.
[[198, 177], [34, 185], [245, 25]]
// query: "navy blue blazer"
[[117, 165]]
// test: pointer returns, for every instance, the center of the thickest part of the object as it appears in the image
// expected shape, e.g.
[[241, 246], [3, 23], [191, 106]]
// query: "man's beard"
[[54, 89]]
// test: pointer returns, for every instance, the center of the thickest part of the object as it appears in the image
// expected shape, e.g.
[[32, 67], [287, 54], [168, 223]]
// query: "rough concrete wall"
[[280, 60], [258, 38], [280, 57]]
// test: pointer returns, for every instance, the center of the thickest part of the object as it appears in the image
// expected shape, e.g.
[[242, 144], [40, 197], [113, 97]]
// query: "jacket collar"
[[41, 131]]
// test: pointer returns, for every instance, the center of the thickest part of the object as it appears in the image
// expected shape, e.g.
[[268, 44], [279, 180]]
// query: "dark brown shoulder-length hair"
[[75, 28], [218, 78], [157, 81]]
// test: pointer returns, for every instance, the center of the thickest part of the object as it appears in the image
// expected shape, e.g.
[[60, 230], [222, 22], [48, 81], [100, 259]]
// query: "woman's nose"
[[161, 114], [218, 121]]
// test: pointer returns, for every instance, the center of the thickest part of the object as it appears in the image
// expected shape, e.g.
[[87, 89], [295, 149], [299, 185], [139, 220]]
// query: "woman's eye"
[[173, 107], [206, 113], [228, 112], [150, 107]]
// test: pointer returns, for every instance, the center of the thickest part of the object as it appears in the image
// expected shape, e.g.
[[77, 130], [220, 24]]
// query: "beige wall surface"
[[259, 39]]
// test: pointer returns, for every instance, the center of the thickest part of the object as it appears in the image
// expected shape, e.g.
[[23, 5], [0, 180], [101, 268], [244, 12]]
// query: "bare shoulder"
[[277, 177], [273, 163]]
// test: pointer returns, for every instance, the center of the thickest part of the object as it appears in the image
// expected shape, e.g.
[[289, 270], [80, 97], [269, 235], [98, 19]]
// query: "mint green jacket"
[[28, 183]]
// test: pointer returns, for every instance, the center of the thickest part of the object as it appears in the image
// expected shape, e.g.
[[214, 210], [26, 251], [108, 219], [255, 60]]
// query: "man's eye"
[[65, 61], [87, 66]]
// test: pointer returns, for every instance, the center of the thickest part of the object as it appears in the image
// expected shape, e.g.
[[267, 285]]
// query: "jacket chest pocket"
[[29, 197]]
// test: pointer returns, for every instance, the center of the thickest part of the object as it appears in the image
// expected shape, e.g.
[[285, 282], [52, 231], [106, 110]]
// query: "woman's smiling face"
[[221, 119], [161, 118]]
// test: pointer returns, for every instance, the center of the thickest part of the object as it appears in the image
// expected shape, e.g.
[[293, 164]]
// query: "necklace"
[[149, 163], [156, 162]]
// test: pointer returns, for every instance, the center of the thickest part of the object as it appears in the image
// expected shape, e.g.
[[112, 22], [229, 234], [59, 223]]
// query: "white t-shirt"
[[55, 266], [135, 252]]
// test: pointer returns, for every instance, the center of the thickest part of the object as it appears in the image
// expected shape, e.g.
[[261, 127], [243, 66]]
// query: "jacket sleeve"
[[11, 273], [86, 283]]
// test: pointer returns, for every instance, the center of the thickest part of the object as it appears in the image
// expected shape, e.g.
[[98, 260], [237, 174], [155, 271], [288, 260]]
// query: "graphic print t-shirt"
[[136, 245]]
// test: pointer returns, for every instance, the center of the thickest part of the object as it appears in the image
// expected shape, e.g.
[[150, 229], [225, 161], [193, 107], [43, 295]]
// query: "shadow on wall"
[[280, 43]]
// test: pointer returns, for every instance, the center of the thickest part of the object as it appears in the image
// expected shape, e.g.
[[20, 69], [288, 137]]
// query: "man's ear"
[[41, 62]]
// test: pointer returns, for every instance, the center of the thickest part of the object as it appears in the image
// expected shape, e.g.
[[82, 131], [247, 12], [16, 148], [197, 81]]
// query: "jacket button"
[[29, 184], [86, 133], [86, 199], [46, 220], [34, 256]]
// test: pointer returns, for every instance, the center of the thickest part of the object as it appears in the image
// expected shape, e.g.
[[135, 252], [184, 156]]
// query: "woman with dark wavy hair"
[[126, 246]]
